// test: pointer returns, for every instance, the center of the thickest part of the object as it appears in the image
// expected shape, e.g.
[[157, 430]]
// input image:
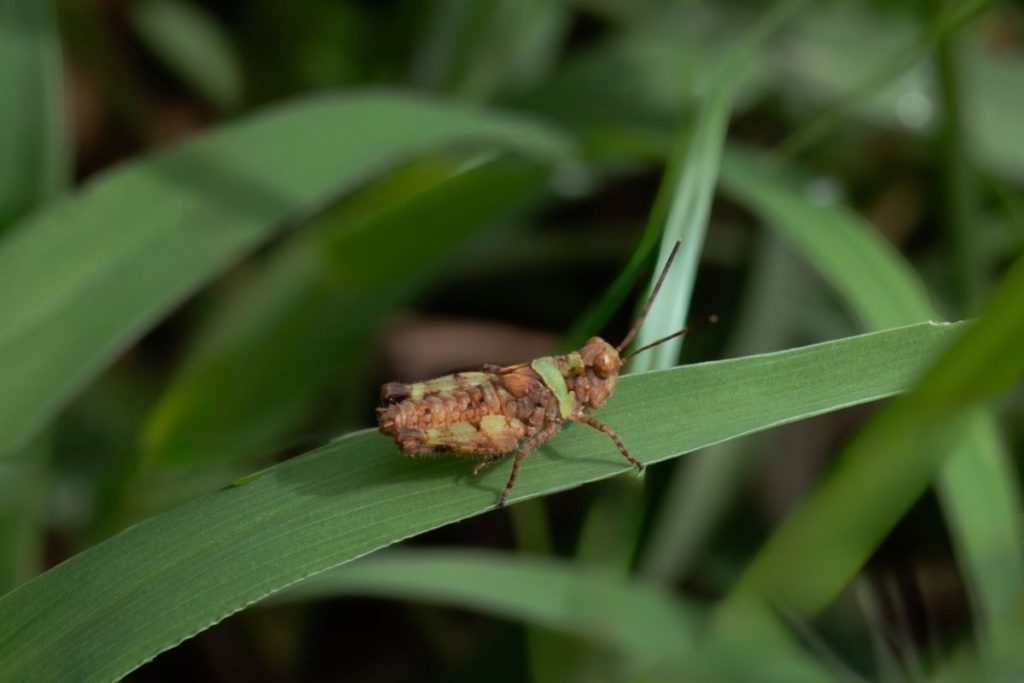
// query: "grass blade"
[[977, 485], [691, 189], [308, 314], [653, 629], [148, 234], [35, 167], [702, 487], [986, 361], [24, 485], [191, 43], [945, 23], [870, 275], [604, 606], [104, 612], [34, 162]]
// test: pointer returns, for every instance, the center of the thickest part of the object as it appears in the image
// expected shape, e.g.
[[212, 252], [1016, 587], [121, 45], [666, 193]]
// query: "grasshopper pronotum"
[[500, 410]]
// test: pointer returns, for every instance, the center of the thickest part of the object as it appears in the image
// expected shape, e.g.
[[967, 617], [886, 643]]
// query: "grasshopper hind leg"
[[528, 446], [605, 429]]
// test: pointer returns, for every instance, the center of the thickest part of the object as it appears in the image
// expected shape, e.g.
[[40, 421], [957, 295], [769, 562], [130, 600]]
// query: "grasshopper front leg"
[[605, 429]]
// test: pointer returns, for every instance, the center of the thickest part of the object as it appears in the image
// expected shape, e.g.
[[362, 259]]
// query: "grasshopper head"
[[601, 364], [601, 357]]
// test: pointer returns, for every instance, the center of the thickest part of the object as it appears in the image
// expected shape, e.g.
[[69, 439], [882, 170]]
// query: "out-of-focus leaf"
[[479, 49], [882, 473], [993, 95], [34, 161], [869, 274], [684, 201], [977, 484], [657, 632], [314, 305], [634, 617], [193, 45], [895, 86], [79, 283], [35, 167], [107, 610], [23, 492], [702, 487]]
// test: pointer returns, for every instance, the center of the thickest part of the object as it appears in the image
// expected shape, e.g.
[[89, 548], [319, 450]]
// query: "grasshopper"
[[500, 410]]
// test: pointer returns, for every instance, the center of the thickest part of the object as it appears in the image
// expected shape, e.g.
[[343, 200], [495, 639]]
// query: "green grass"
[[193, 212], [183, 570], [179, 329]]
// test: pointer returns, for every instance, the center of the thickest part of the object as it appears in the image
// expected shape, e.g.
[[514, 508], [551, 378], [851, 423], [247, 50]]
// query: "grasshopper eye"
[[604, 365]]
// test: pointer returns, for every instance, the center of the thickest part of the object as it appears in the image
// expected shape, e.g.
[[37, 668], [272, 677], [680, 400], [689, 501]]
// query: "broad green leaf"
[[885, 470], [191, 43], [34, 163], [79, 283], [306, 316], [107, 610], [977, 485]]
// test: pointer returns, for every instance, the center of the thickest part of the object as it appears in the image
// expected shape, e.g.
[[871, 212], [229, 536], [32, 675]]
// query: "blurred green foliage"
[[222, 224]]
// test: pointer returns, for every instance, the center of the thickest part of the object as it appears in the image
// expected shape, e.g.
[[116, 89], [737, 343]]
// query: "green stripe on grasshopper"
[[447, 384], [552, 371], [496, 434]]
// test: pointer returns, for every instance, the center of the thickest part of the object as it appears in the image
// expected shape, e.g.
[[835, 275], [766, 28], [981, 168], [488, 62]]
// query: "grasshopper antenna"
[[647, 306], [711, 320]]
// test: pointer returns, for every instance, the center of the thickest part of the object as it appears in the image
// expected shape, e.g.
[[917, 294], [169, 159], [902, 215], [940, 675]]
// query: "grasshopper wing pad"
[[495, 435], [446, 384]]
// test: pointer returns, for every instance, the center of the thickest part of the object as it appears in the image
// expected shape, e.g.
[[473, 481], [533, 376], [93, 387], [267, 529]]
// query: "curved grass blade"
[[945, 23], [870, 275], [34, 162], [636, 618], [655, 630], [24, 484], [977, 484], [702, 487], [681, 209], [104, 612], [35, 167], [315, 303], [680, 215], [81, 282], [883, 472], [191, 43], [691, 190]]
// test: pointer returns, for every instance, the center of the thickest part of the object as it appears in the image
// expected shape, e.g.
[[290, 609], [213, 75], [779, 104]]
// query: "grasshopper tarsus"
[[488, 461]]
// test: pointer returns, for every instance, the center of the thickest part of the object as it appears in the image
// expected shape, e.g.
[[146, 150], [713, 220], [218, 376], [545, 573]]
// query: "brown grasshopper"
[[516, 408]]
